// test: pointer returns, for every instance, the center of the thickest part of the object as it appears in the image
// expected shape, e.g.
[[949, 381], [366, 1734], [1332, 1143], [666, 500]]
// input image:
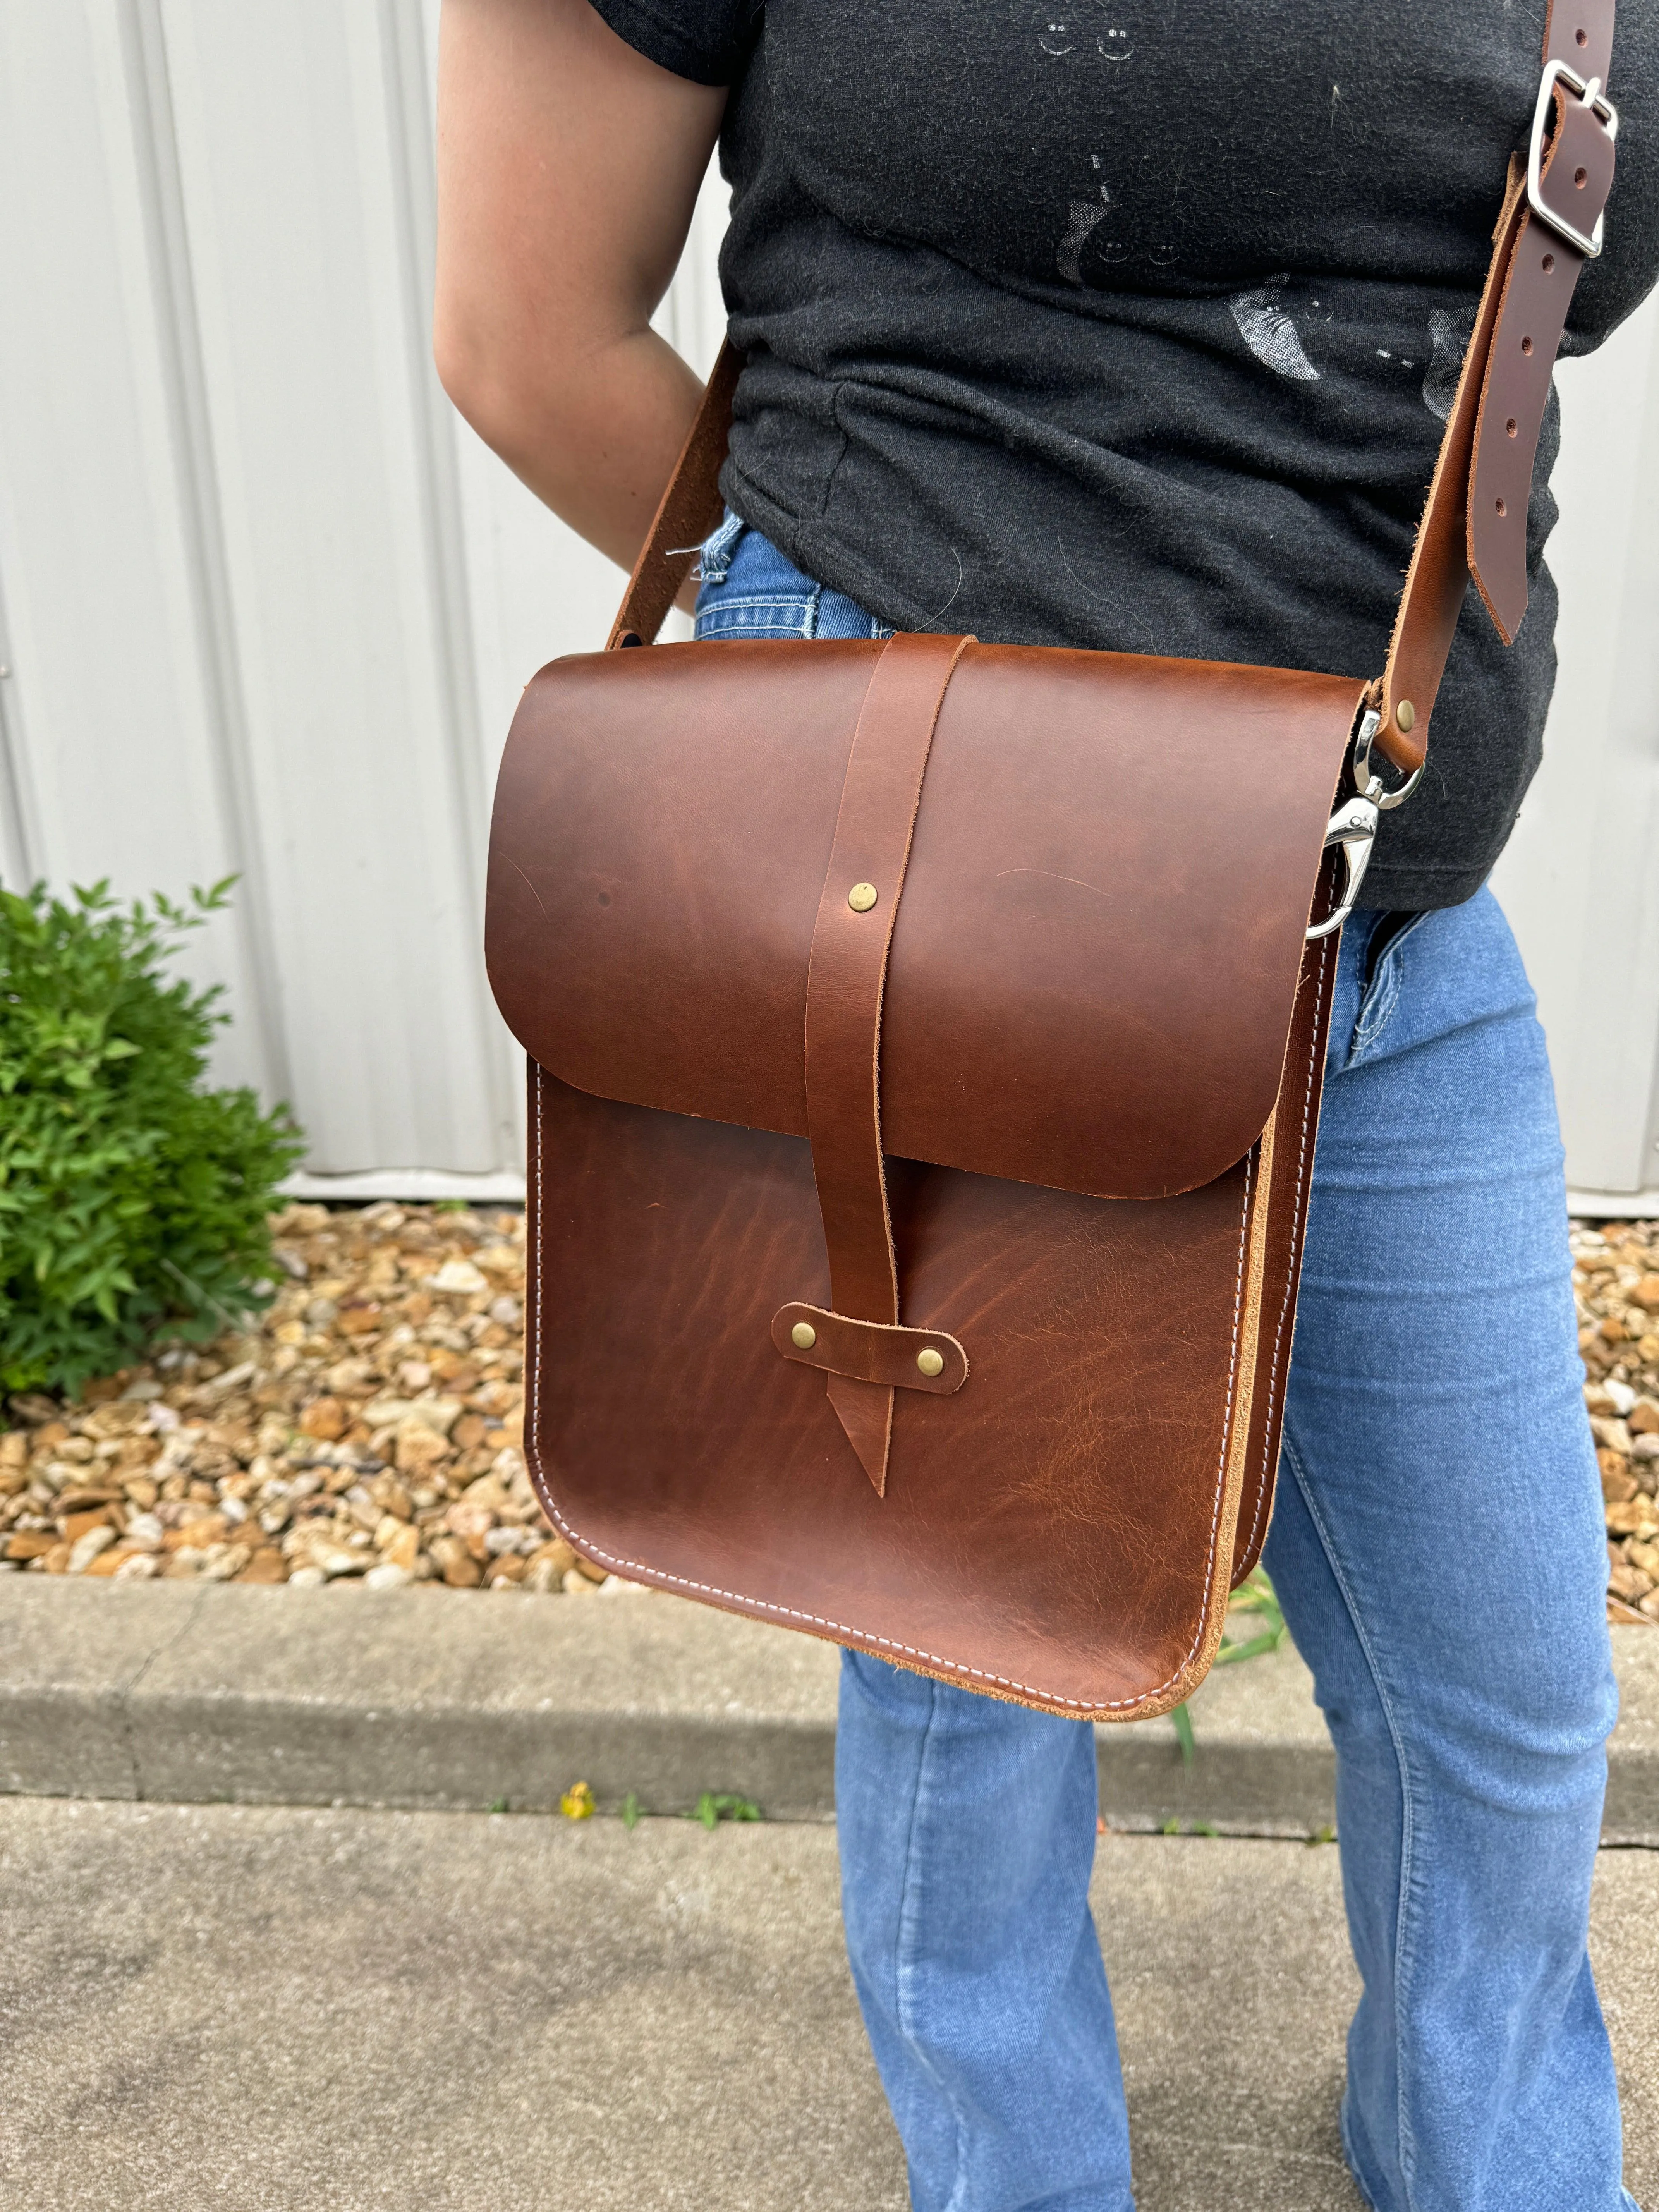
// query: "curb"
[[211, 1693]]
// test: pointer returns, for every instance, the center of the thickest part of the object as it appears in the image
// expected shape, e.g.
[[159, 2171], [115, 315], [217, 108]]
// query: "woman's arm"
[[567, 169]]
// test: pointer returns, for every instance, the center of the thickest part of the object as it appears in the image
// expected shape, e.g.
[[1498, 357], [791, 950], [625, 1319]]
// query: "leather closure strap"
[[845, 982]]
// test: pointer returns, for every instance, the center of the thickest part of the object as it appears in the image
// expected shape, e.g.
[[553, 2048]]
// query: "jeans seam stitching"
[[907, 2023], [1370, 1025], [790, 600], [1407, 1821]]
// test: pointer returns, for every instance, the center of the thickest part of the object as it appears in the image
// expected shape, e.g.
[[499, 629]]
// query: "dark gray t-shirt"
[[1133, 324]]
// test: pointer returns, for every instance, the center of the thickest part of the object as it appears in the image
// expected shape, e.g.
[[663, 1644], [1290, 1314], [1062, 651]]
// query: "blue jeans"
[[1438, 1547]]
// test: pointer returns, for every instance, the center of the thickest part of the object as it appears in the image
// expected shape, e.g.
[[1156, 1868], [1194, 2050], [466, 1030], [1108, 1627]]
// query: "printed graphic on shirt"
[[1102, 29], [1449, 332], [1314, 341], [1083, 219], [1266, 327], [1106, 248]]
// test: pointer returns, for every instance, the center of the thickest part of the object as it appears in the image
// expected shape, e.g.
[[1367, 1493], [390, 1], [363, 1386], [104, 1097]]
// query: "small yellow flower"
[[577, 1802]]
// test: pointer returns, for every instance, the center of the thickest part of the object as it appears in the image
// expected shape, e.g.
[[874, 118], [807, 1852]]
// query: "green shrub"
[[132, 1200]]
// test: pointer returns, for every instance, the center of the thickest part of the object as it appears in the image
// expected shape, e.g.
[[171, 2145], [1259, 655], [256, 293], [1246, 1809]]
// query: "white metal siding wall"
[[1580, 879], [266, 605]]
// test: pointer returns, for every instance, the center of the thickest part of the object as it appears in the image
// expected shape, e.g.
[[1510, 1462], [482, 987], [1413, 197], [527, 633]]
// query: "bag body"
[[925, 1045], [1096, 992]]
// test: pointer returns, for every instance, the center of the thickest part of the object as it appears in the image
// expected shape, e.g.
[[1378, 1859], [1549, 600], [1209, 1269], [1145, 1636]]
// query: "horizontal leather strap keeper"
[[871, 1351]]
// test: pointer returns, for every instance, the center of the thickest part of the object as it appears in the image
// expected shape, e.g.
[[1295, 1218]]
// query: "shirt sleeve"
[[707, 40]]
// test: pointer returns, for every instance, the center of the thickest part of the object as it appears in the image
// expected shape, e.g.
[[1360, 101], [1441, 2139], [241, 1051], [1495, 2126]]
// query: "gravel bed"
[[369, 1431], [1616, 1283], [366, 1432]]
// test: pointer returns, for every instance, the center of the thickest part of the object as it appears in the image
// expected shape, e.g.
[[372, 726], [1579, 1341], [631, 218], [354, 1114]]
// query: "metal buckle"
[[1353, 825], [1590, 95]]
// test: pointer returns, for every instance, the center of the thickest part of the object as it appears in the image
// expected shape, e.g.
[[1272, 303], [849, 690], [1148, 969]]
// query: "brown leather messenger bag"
[[924, 1067]]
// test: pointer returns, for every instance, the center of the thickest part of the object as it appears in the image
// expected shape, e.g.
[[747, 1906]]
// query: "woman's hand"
[[568, 170]]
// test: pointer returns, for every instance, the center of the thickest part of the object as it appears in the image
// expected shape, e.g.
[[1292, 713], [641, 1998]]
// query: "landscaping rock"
[[1615, 1270], [379, 1394]]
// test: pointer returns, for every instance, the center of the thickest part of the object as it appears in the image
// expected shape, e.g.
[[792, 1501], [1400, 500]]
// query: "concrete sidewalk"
[[280, 2009], [195, 1693]]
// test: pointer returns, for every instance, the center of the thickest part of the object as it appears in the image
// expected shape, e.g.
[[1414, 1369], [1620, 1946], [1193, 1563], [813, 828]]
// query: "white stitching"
[[819, 1620], [1296, 1217]]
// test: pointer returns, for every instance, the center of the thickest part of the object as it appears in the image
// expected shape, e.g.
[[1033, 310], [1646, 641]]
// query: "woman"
[[1134, 325]]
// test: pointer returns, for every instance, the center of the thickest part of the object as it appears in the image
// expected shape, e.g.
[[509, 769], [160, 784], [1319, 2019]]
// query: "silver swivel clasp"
[[1353, 826]]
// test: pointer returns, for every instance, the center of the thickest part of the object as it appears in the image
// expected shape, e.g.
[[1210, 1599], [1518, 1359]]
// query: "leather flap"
[[1096, 955]]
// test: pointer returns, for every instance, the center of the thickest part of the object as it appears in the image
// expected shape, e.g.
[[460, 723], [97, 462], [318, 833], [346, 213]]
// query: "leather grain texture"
[[1095, 961], [1059, 1531], [1058, 1514]]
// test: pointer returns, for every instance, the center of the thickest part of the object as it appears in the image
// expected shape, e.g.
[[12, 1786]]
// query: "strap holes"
[[1581, 38], [1502, 509], [1549, 262], [1526, 345], [1512, 427], [1581, 178]]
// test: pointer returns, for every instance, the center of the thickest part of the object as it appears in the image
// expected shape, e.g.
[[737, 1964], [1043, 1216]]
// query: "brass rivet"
[[930, 1361], [1405, 715], [802, 1336], [862, 897]]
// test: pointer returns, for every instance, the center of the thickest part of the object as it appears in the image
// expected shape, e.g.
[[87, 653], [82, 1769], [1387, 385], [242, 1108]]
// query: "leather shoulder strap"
[[688, 510], [1474, 520]]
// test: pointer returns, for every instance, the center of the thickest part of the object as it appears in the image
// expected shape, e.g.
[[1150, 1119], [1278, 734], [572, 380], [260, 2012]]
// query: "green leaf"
[[1256, 1594], [715, 1805], [133, 1196], [1253, 1648], [1183, 1728]]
